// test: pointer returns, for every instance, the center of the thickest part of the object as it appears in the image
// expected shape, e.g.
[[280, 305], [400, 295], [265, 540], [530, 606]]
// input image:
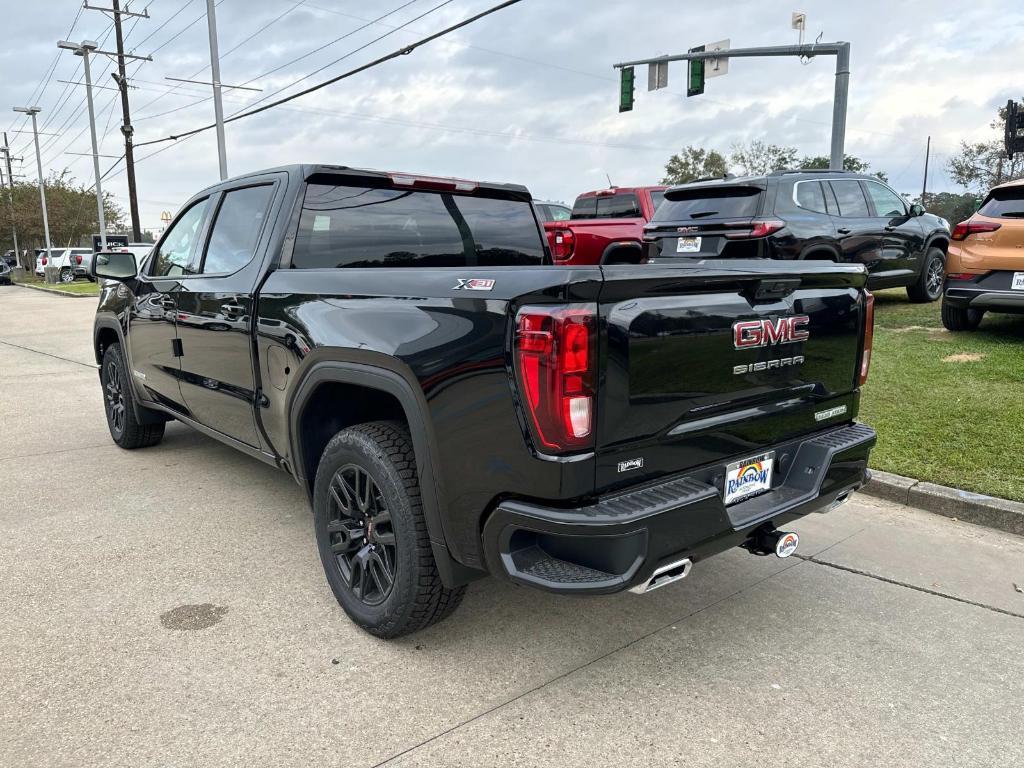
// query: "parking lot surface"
[[166, 607]]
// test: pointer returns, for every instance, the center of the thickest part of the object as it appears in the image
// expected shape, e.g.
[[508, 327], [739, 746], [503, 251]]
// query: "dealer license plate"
[[749, 477], [1018, 281], [688, 245]]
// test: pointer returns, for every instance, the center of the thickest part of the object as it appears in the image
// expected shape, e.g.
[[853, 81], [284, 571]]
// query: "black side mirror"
[[916, 209], [113, 265]]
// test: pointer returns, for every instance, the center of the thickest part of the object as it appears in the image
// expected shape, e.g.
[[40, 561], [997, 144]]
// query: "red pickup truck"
[[606, 226]]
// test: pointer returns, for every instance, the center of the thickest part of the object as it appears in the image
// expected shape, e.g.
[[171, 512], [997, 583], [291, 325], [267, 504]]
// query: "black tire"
[[90, 278], [67, 276], [928, 286], [120, 405], [384, 528], [960, 318]]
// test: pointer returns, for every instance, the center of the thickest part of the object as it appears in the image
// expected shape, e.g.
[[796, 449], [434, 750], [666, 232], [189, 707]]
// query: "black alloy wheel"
[[113, 397], [361, 535], [934, 278]]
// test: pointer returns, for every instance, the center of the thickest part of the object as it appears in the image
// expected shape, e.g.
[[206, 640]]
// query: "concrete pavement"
[[166, 607]]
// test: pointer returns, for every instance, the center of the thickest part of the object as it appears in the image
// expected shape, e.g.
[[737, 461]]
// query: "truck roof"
[[307, 171]]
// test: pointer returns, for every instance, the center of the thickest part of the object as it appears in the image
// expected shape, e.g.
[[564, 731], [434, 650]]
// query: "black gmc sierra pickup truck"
[[455, 405]]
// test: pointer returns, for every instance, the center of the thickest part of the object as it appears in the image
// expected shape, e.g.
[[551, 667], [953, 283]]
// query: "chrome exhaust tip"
[[665, 574]]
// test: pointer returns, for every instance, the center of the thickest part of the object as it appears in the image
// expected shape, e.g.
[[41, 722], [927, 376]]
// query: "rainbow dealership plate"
[[749, 477]]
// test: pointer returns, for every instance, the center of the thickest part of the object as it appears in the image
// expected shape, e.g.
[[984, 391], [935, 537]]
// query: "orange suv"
[[985, 261]]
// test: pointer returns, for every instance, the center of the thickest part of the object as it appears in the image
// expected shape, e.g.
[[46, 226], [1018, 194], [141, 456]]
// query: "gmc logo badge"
[[749, 334]]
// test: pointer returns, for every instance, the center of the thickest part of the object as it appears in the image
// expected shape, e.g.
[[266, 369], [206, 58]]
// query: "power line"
[[344, 75], [282, 66]]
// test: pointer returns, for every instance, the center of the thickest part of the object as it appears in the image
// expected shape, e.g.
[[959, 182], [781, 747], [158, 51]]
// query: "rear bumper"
[[619, 541], [990, 292]]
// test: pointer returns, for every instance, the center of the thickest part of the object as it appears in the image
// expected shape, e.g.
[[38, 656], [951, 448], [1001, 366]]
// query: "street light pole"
[[218, 107], [33, 111], [83, 49]]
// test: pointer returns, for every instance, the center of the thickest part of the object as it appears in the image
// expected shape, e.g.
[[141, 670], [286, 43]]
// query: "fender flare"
[[935, 236], [414, 405], [630, 245]]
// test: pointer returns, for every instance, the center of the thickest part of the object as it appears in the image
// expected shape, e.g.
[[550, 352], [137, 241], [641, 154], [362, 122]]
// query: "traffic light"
[[695, 84], [626, 89]]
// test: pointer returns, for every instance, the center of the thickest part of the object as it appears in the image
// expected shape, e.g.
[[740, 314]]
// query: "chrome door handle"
[[843, 231]]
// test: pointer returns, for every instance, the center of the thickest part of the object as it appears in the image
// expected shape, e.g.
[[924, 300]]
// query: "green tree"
[[758, 158], [850, 163], [694, 163], [70, 207], [979, 166], [952, 207]]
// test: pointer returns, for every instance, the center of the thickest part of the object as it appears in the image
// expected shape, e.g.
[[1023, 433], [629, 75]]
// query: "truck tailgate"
[[717, 361]]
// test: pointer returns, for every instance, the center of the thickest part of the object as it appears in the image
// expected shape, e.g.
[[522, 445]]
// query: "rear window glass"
[[850, 197], [1004, 203], [344, 226], [621, 206], [723, 202], [810, 196], [657, 198]]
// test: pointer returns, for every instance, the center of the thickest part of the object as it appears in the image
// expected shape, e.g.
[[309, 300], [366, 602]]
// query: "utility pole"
[[924, 184], [126, 126], [218, 107], [10, 196], [121, 78], [841, 50], [33, 111]]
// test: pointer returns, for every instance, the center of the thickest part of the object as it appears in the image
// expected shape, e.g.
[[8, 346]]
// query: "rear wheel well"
[[820, 252], [334, 406], [105, 338], [941, 243]]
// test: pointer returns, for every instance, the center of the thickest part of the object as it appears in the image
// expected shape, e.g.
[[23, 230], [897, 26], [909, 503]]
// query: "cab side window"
[[172, 257], [850, 197], [236, 230]]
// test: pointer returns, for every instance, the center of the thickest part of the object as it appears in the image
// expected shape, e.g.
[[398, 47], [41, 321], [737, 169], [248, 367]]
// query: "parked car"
[[835, 215], [985, 268], [455, 405], [43, 259], [10, 258], [552, 211], [72, 263], [5, 273], [604, 227]]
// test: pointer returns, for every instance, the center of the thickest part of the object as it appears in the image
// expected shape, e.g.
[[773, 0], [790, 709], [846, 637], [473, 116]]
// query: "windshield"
[[720, 203]]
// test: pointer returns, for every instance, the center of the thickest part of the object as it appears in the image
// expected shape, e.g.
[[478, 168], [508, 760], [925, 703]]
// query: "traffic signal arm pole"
[[840, 50]]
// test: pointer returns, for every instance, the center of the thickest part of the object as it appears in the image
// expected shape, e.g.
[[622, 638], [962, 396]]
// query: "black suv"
[[805, 214]]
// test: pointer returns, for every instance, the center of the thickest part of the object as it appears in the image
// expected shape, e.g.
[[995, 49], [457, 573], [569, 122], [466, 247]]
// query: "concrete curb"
[[57, 292], [977, 508]]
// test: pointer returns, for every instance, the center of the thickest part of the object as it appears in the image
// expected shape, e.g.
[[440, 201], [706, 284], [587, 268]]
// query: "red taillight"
[[755, 228], [78, 258], [44, 261], [964, 275], [869, 336], [564, 244], [555, 361], [965, 229]]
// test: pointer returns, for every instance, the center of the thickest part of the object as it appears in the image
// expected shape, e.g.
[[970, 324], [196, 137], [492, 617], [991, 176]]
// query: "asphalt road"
[[166, 607]]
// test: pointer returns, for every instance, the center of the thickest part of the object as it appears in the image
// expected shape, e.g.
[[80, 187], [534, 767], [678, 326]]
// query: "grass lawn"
[[948, 407], [81, 287]]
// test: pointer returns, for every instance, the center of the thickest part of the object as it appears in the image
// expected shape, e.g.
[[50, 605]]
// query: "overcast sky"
[[527, 95]]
